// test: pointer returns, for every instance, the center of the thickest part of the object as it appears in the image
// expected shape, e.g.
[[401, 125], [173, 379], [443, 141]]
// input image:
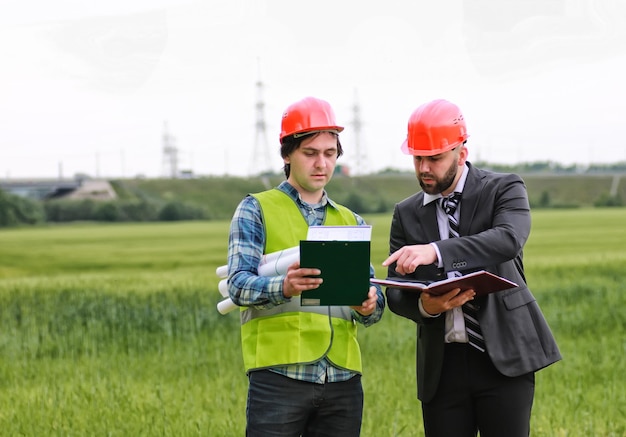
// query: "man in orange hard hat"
[[303, 362], [476, 356]]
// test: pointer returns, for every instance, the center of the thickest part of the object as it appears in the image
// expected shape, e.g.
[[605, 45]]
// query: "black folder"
[[482, 282], [345, 267]]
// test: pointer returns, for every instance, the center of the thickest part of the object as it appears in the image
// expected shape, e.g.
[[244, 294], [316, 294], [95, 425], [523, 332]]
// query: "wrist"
[[423, 310]]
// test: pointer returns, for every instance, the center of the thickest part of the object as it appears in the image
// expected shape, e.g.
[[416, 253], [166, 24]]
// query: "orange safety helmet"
[[308, 115], [435, 127]]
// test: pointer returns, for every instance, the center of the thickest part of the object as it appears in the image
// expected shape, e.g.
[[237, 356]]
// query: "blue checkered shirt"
[[245, 249]]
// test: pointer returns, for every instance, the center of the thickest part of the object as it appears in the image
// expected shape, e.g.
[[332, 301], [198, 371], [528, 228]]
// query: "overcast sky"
[[89, 88]]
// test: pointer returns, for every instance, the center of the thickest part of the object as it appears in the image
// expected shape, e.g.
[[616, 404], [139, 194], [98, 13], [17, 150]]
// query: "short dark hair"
[[291, 143]]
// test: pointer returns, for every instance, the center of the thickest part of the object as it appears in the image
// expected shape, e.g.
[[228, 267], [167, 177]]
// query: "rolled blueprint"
[[222, 271], [278, 266], [223, 287], [272, 264], [274, 256], [226, 306]]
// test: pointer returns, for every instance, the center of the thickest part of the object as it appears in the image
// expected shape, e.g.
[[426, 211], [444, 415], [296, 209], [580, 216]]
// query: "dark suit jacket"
[[494, 226]]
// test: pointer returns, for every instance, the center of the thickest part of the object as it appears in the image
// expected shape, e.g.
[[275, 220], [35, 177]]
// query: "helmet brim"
[[333, 129], [431, 152]]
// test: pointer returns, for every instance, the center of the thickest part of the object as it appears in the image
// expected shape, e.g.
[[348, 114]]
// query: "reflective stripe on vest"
[[290, 333]]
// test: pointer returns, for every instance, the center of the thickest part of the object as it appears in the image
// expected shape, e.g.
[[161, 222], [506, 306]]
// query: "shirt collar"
[[458, 188], [288, 189]]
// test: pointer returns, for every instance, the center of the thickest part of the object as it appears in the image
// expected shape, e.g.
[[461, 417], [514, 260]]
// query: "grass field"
[[112, 330]]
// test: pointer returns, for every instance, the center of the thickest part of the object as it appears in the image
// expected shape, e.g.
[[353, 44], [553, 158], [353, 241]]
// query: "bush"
[[139, 211], [173, 211], [69, 210], [108, 212], [15, 210], [607, 200], [356, 203], [365, 203]]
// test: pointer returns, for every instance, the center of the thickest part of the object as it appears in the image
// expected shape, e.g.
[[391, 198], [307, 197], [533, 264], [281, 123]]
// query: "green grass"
[[112, 330]]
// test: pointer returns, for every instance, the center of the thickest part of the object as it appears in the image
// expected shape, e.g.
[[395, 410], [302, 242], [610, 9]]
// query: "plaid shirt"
[[245, 249]]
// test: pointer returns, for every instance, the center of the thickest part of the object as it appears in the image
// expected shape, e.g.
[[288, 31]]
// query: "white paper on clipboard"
[[341, 233]]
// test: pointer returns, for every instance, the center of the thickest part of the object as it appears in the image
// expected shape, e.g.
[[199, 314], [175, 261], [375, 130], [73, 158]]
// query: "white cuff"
[[439, 262]]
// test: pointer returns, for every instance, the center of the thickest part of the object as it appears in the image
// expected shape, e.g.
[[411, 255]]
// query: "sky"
[[106, 89]]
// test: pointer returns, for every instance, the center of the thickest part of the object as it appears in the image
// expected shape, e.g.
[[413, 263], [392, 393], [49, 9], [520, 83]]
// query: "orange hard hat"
[[308, 115], [435, 127]]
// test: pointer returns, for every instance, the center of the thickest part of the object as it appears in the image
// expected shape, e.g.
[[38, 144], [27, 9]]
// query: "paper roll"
[[272, 257], [278, 266], [223, 287], [226, 306], [222, 271], [272, 264]]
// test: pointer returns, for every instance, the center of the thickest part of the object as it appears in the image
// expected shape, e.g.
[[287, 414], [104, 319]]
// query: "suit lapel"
[[469, 201], [427, 216]]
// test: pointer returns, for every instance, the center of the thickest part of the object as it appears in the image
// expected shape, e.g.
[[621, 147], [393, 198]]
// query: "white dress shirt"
[[454, 323]]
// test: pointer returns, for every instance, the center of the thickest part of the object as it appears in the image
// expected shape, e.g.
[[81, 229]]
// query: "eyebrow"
[[314, 149]]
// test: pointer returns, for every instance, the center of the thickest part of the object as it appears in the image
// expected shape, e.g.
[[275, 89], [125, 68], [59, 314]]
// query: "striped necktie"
[[470, 311], [449, 205]]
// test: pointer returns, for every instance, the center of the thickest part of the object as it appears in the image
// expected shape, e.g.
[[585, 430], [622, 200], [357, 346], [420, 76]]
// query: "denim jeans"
[[285, 407]]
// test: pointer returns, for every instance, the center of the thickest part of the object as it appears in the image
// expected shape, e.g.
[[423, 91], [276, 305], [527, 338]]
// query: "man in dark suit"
[[476, 356]]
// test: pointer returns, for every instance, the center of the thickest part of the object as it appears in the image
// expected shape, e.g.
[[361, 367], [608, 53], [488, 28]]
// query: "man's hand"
[[296, 280], [368, 306], [408, 258], [434, 305]]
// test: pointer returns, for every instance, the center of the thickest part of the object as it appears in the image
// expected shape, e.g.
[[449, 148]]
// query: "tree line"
[[16, 210]]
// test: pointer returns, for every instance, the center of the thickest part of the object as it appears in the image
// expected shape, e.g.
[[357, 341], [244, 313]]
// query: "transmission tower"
[[170, 154], [260, 159], [360, 158]]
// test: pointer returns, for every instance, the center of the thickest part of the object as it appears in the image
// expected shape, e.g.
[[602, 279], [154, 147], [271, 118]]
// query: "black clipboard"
[[345, 267]]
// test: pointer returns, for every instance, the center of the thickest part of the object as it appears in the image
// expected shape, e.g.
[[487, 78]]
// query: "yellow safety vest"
[[290, 333]]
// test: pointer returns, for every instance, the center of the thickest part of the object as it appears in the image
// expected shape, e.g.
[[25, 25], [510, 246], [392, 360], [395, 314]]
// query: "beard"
[[441, 184]]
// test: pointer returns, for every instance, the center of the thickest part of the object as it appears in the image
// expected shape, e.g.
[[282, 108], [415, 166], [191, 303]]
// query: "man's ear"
[[463, 153]]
